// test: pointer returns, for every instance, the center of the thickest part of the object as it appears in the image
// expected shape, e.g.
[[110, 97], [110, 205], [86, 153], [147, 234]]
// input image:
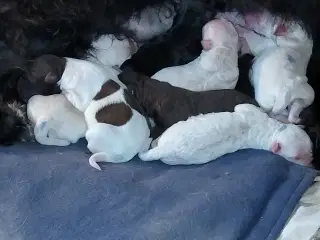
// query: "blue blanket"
[[49, 193]]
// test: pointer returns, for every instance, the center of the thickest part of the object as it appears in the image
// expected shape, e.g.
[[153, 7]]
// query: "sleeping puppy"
[[116, 131], [280, 84], [44, 71], [204, 138], [215, 68], [167, 104], [56, 121]]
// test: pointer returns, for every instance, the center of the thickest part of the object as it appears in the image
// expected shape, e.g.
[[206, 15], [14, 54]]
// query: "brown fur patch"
[[107, 89], [116, 114]]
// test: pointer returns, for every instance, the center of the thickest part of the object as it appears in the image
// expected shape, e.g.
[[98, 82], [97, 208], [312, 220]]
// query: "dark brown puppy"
[[168, 105]]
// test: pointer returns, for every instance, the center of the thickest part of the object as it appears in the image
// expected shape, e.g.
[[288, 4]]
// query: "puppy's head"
[[293, 143], [219, 32], [41, 77]]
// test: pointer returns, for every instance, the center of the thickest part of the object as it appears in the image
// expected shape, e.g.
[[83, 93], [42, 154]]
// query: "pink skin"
[[281, 30], [206, 44], [216, 32], [302, 157], [252, 19]]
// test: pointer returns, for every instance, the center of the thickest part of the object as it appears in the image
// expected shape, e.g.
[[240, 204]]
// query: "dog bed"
[[53, 193]]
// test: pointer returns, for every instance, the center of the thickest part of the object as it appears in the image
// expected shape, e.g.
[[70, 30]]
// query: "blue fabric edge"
[[292, 203]]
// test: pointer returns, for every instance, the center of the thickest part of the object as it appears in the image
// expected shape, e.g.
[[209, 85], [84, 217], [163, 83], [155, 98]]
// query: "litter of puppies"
[[198, 115]]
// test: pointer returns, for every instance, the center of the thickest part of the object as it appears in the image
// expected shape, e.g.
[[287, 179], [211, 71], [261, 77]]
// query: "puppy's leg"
[[295, 109], [155, 143], [281, 103], [151, 155]]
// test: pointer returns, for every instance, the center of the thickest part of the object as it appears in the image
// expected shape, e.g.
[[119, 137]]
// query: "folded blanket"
[[53, 193]]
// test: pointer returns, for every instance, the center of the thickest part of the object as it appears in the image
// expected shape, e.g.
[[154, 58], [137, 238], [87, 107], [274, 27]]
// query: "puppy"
[[204, 138], [56, 121], [167, 104], [43, 72], [215, 68], [117, 132], [278, 77]]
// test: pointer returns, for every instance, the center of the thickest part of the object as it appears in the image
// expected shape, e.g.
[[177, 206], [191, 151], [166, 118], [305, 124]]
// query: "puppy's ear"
[[276, 147], [206, 44]]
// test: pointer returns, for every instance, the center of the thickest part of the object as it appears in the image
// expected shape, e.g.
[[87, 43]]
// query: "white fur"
[[204, 138], [152, 22], [216, 68], [250, 41], [82, 80], [115, 144], [278, 77], [56, 121], [110, 51]]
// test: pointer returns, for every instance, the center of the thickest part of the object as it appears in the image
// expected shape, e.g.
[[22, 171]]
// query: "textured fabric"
[[305, 222], [52, 193]]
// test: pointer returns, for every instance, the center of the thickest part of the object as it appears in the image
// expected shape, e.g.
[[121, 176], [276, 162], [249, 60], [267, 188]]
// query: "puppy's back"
[[223, 100]]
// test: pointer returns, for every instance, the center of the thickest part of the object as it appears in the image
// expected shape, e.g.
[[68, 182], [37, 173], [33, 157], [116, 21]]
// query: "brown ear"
[[275, 147], [206, 44]]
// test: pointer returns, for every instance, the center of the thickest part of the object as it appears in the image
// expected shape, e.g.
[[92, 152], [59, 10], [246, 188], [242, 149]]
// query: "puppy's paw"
[[294, 119]]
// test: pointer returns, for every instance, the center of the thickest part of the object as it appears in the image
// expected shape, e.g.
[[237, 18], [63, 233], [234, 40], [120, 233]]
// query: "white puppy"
[[282, 51], [204, 138], [56, 121], [215, 68], [280, 84]]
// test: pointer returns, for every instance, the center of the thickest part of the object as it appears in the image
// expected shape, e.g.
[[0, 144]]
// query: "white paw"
[[294, 119]]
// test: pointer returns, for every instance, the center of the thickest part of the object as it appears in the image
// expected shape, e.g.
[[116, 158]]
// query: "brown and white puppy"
[[168, 104], [116, 131]]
